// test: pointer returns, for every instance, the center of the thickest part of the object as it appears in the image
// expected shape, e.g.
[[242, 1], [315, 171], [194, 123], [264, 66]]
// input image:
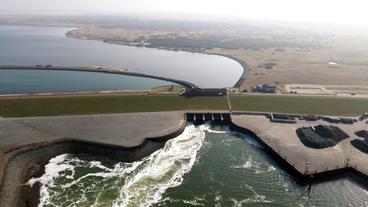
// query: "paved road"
[[117, 129]]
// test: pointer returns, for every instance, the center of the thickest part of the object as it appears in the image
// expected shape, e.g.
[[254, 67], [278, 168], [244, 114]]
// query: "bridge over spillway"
[[213, 118]]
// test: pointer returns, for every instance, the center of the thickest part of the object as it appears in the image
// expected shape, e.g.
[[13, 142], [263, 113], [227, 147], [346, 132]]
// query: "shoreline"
[[237, 84], [41, 94], [107, 71], [243, 64]]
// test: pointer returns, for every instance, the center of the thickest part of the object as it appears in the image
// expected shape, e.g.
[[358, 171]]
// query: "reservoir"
[[22, 45], [201, 167], [40, 81]]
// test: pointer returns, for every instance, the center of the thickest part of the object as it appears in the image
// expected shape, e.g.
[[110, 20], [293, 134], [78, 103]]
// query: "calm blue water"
[[26, 81], [48, 45]]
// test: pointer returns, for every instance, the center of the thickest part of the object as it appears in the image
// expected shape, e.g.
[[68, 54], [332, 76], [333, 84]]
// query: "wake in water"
[[226, 130], [69, 181]]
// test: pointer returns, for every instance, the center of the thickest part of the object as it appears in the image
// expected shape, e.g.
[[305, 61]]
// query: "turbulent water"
[[201, 167]]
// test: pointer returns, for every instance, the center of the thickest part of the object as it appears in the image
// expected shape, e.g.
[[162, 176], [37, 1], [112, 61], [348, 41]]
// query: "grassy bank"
[[322, 105], [99, 104]]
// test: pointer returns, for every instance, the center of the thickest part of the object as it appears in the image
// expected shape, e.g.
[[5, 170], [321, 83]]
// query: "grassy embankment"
[[98, 104], [318, 105]]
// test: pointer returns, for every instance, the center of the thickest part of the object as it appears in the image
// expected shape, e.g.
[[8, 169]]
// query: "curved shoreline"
[[106, 71], [188, 84], [242, 63]]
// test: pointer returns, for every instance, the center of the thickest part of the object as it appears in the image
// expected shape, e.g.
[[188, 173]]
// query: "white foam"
[[218, 199], [226, 130], [271, 168], [162, 170], [193, 202], [254, 199], [207, 127], [144, 181], [248, 164], [52, 170]]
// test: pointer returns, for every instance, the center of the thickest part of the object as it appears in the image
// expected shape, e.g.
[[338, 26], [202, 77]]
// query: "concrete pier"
[[281, 140]]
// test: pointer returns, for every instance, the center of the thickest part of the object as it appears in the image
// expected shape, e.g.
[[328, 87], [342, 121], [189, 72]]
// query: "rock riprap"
[[361, 145], [321, 136], [362, 133]]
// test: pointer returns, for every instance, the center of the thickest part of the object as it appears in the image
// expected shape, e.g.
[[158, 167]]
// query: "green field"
[[318, 105], [98, 104]]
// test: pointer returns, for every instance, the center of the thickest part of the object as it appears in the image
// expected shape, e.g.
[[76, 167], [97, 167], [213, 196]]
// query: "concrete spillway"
[[213, 118]]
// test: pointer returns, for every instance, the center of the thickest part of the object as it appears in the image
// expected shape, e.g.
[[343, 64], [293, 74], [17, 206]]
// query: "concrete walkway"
[[116, 129]]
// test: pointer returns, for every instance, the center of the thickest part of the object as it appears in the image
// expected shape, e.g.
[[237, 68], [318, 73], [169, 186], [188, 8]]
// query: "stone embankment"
[[28, 143]]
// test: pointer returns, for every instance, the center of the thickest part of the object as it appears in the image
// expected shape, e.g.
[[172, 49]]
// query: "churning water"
[[201, 167]]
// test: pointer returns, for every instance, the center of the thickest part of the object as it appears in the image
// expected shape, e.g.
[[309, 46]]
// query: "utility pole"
[[228, 102]]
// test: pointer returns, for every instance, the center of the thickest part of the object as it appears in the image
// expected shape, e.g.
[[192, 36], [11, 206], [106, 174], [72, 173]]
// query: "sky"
[[352, 12]]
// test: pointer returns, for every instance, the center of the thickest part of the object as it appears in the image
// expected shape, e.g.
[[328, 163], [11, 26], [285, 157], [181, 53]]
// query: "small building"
[[310, 118], [330, 119], [265, 88], [282, 118], [363, 117], [206, 92], [347, 120]]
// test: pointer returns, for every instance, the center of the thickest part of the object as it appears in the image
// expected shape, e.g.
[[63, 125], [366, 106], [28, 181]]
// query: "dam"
[[117, 137], [216, 119]]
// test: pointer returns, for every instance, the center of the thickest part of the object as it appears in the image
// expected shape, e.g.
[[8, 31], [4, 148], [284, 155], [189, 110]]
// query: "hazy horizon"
[[329, 11]]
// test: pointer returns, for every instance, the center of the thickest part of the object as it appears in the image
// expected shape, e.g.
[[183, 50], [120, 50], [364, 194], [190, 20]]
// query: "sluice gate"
[[213, 118]]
